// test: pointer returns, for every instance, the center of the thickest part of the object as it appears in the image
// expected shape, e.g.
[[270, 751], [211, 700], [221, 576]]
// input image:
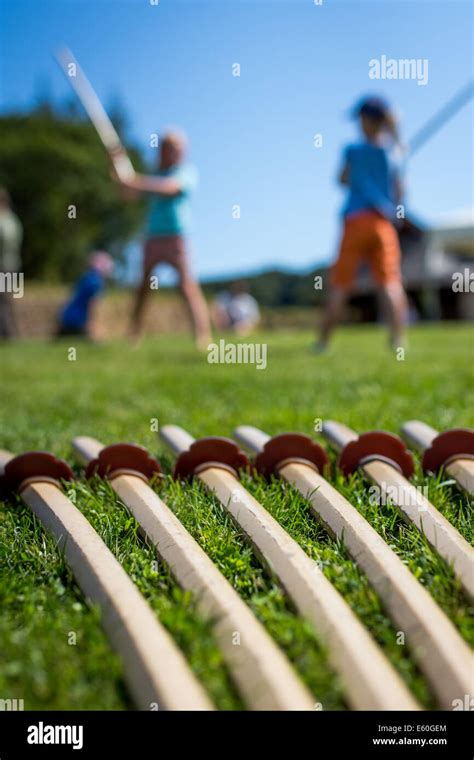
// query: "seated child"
[[75, 317], [236, 310]]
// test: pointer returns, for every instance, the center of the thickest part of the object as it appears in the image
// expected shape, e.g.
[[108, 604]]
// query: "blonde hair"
[[390, 125], [174, 138]]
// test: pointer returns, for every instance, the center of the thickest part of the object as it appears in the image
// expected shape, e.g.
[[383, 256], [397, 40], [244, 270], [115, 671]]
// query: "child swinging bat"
[[167, 227], [369, 234], [169, 192]]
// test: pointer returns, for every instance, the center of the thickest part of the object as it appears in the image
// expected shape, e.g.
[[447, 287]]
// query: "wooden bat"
[[370, 681], [261, 672], [441, 653], [414, 507], [96, 113], [154, 667], [421, 436]]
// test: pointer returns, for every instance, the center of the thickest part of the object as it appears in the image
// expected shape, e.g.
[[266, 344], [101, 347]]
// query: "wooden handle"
[[263, 675], [350, 646], [176, 438], [155, 669], [415, 508], [462, 470], [87, 448], [439, 650], [338, 435], [251, 437], [418, 435], [441, 653], [370, 681], [5, 457], [261, 672]]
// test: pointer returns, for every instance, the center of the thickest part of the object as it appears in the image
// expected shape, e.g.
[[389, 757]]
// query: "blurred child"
[[167, 228], [374, 191], [75, 318], [235, 309]]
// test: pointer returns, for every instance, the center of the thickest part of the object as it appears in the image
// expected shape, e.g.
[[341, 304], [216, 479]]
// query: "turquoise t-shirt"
[[171, 216]]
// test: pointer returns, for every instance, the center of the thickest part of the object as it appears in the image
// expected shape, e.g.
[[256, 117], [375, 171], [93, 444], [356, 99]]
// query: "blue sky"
[[302, 66]]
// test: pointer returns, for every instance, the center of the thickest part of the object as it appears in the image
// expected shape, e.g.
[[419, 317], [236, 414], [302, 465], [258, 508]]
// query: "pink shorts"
[[170, 249]]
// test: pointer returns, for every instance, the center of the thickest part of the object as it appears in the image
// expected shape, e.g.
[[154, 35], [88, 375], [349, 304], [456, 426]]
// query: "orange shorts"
[[368, 237]]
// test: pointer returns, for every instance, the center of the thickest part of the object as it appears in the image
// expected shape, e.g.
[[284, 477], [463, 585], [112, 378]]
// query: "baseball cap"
[[372, 106]]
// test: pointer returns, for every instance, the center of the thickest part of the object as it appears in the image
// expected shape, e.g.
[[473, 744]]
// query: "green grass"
[[115, 394]]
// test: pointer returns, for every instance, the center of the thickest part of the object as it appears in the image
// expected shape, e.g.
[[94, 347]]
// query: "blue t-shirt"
[[172, 215], [76, 312], [372, 174]]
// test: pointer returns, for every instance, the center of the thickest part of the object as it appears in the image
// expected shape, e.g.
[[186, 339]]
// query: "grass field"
[[115, 394]]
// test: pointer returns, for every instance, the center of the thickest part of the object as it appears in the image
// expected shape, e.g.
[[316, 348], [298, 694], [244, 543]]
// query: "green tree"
[[51, 163]]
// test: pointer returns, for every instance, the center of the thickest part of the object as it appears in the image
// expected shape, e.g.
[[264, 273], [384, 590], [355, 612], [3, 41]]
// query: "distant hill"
[[277, 287]]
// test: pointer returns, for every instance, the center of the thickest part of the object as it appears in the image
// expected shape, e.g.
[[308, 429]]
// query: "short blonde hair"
[[174, 137]]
